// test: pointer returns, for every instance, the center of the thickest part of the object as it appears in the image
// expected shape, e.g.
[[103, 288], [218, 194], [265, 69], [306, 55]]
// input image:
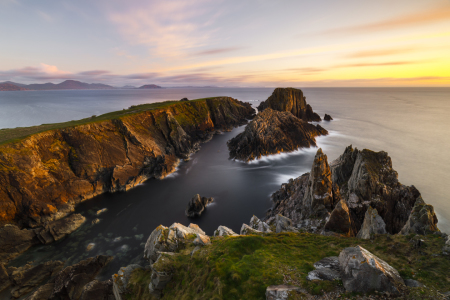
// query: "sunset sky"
[[227, 43]]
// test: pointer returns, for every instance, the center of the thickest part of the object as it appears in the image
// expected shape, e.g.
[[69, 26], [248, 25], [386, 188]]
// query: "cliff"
[[291, 100], [272, 132], [43, 176]]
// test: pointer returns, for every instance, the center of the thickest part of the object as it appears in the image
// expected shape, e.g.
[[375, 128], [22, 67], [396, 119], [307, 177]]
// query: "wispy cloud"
[[216, 51], [434, 15], [380, 52]]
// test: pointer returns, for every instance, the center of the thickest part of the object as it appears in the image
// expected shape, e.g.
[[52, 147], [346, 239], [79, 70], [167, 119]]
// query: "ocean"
[[411, 124]]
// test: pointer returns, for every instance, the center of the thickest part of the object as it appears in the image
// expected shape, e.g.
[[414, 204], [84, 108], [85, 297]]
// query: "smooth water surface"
[[411, 124]]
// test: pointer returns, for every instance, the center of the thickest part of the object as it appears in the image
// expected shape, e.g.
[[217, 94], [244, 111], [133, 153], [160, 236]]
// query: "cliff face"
[[272, 132], [291, 100], [43, 176], [358, 180]]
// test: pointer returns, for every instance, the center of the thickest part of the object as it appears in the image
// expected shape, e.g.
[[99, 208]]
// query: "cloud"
[[379, 52], [216, 51], [95, 72], [434, 15]]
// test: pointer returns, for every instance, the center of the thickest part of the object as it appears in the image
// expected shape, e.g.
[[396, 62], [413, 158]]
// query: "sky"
[[251, 43]]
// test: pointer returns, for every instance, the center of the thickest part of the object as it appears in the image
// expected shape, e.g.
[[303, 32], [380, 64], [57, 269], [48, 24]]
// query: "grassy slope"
[[242, 267], [9, 135]]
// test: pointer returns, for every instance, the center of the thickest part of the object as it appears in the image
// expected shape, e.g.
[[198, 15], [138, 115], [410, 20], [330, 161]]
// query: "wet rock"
[[4, 278], [98, 290], [197, 205], [361, 271], [161, 274], [202, 240], [224, 231], [412, 283], [101, 211], [164, 239], [24, 281], [290, 100], [340, 220], [272, 132], [58, 229], [259, 225], [90, 246], [327, 117], [373, 224], [422, 219], [121, 279], [284, 224], [246, 230], [281, 292], [95, 221]]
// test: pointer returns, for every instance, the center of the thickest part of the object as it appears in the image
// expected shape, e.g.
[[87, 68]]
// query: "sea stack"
[[197, 205]]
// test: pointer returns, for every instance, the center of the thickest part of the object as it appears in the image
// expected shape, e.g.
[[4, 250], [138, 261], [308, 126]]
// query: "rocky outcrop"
[[58, 229], [259, 225], [171, 239], [197, 205], [284, 224], [247, 230], [338, 201], [361, 271], [272, 132], [327, 118], [325, 269], [422, 219], [121, 279], [52, 171], [224, 231], [162, 274], [290, 100], [373, 224]]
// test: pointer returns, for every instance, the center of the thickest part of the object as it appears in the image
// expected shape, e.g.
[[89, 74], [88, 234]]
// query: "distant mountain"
[[150, 86], [15, 83], [128, 87], [69, 85], [6, 87]]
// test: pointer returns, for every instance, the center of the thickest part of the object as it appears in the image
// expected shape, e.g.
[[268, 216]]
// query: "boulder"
[[164, 239], [120, 280], [246, 230], [162, 273], [272, 132], [224, 231], [327, 117], [422, 219], [24, 280], [373, 224], [259, 225], [202, 240], [290, 100], [197, 205], [281, 292], [326, 269], [4, 278], [361, 271], [284, 224], [340, 220]]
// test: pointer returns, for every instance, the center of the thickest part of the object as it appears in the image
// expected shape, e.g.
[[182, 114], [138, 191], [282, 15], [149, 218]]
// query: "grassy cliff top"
[[242, 267], [9, 135]]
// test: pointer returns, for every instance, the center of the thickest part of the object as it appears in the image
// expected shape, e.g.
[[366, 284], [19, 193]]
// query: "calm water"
[[410, 124]]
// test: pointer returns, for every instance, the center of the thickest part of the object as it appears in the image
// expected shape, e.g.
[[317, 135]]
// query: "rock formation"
[[361, 271], [259, 225], [290, 100], [422, 219], [272, 132], [373, 224], [339, 194], [327, 117], [246, 230], [197, 205], [224, 231], [326, 269]]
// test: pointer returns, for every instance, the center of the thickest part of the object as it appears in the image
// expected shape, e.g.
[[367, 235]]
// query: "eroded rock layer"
[[272, 132], [336, 197], [43, 176]]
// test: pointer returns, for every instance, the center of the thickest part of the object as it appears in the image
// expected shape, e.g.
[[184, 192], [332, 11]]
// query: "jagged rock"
[[290, 100], [259, 225], [361, 271], [281, 292], [4, 278], [373, 224], [164, 239], [120, 280], [342, 167], [327, 117], [284, 224], [246, 230], [98, 290], [422, 219], [14, 241], [272, 132], [42, 293], [326, 269], [224, 231], [197, 205], [24, 281], [340, 220], [412, 283], [60, 228], [196, 228], [202, 240], [161, 273]]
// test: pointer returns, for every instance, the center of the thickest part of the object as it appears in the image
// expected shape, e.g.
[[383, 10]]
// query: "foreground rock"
[[197, 205], [272, 132], [259, 225], [364, 272], [335, 197], [290, 100], [373, 224], [326, 269], [224, 231]]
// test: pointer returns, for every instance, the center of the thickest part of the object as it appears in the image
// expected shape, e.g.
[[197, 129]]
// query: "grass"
[[9, 135], [242, 267]]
